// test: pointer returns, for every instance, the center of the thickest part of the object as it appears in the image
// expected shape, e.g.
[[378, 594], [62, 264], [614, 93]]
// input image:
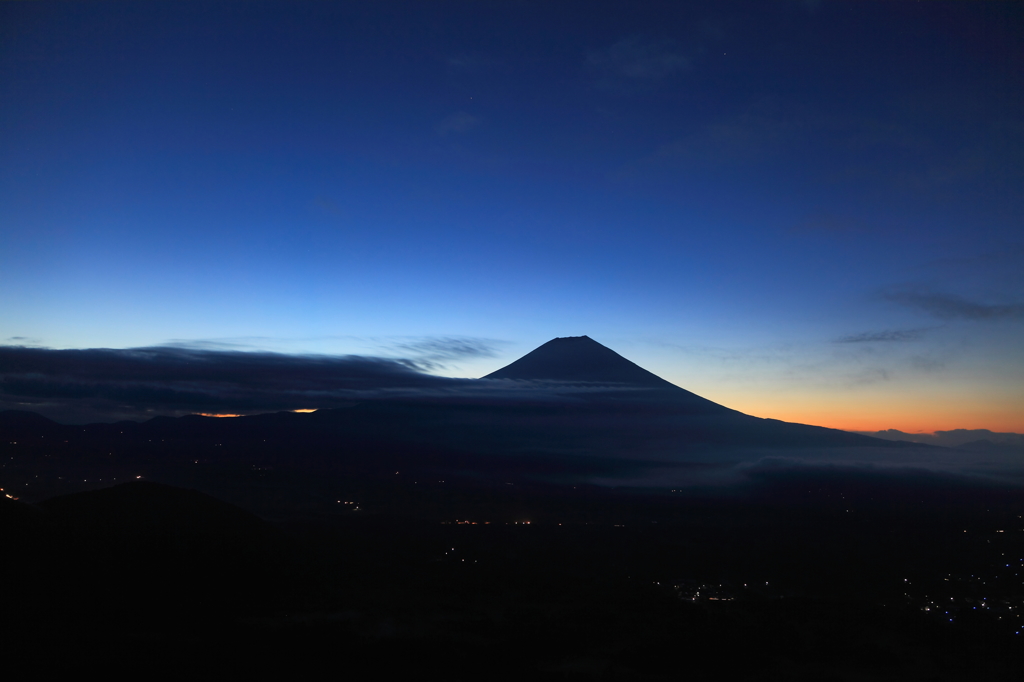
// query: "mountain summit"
[[578, 358]]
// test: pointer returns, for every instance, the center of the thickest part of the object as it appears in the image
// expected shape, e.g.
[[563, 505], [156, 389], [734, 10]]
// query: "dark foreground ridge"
[[845, 580]]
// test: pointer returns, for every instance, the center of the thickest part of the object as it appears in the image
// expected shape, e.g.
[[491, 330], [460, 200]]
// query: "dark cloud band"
[[103, 384], [947, 307], [185, 379], [881, 337]]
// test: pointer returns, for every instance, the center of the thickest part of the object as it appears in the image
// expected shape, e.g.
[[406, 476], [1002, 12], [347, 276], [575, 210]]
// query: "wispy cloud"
[[467, 63], [868, 376], [459, 122], [329, 206], [637, 61], [882, 337], [210, 345], [1009, 256], [1001, 269], [763, 131], [951, 307], [424, 352], [430, 353], [827, 223]]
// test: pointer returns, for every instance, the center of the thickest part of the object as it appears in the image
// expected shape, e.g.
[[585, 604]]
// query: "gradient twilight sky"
[[810, 211]]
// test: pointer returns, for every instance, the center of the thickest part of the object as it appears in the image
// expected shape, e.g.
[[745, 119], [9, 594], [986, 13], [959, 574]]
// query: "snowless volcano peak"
[[578, 359]]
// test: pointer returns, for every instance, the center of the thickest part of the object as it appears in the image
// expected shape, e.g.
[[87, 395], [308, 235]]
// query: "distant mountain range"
[[974, 440]]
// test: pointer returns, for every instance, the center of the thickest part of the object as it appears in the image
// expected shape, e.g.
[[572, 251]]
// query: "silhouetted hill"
[[154, 506], [18, 517], [14, 418], [14, 423], [143, 550]]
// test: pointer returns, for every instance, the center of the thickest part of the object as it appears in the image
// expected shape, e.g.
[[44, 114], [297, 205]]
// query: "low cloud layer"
[[870, 471], [102, 384], [174, 380]]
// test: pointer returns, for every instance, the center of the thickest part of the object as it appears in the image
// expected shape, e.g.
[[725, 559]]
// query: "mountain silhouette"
[[581, 360]]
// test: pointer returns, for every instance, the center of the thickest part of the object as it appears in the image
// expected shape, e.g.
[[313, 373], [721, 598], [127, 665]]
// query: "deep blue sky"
[[809, 211]]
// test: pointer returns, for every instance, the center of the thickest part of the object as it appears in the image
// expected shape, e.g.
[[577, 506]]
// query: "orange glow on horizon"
[[304, 410], [920, 410], [908, 419], [907, 423]]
